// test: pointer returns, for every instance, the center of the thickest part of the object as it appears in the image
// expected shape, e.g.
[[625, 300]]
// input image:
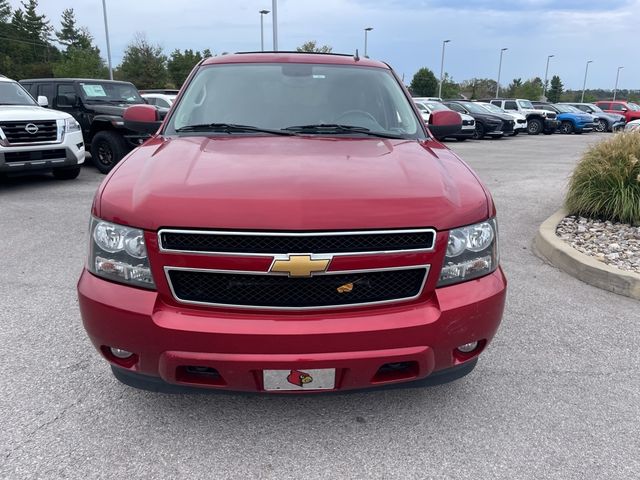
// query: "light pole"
[[274, 9], [584, 84], [500, 71], [546, 76], [366, 31], [615, 90], [106, 32], [444, 43], [262, 14]]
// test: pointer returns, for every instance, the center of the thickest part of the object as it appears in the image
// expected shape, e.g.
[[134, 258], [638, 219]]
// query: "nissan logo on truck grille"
[[31, 128]]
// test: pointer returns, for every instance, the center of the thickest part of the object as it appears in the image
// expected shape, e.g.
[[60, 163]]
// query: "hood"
[[29, 113], [292, 183], [466, 117], [516, 116], [101, 109]]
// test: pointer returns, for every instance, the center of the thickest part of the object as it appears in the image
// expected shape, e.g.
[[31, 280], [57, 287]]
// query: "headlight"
[[70, 125], [472, 252], [119, 253]]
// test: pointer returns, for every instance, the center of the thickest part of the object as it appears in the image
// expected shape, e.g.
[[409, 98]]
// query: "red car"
[[630, 110], [291, 226]]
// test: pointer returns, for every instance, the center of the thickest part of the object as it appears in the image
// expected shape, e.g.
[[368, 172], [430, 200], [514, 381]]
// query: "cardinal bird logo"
[[299, 378]]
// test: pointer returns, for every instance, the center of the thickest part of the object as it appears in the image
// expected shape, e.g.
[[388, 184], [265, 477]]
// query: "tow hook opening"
[[199, 374], [390, 372]]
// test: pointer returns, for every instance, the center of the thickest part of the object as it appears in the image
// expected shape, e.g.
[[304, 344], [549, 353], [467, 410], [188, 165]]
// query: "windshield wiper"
[[337, 128], [230, 128]]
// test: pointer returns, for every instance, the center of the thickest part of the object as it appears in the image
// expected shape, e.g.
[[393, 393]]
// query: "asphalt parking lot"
[[556, 395]]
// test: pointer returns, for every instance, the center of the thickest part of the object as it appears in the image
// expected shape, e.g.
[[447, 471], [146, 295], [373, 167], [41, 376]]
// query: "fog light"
[[119, 353], [468, 347]]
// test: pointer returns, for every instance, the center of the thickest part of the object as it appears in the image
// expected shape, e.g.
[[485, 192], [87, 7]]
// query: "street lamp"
[[444, 43], [274, 9], [366, 31], [262, 14], [584, 84], [615, 90], [546, 76], [106, 32], [500, 71]]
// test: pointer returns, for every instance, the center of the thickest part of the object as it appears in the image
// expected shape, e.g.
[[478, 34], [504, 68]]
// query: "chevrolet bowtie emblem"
[[299, 266]]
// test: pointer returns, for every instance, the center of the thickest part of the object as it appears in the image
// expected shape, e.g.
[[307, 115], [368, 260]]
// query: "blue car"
[[571, 119]]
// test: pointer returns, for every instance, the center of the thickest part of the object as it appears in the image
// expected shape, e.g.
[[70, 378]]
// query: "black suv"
[[98, 105], [488, 124]]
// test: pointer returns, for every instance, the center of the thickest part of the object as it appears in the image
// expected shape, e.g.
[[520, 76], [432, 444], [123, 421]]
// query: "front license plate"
[[304, 379]]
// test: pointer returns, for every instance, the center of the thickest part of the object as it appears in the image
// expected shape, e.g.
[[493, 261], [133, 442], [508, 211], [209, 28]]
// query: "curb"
[[560, 254]]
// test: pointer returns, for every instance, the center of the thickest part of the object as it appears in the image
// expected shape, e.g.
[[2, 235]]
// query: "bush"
[[606, 183]]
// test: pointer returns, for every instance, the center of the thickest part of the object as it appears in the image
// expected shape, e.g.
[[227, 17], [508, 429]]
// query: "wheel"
[[107, 149], [566, 127], [66, 173], [515, 133], [602, 125], [479, 132], [535, 126]]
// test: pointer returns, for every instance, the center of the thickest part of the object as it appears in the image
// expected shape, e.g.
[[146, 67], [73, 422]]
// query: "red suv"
[[630, 110], [291, 226]]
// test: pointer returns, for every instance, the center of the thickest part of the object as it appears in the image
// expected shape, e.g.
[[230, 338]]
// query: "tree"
[[70, 35], [450, 89], [5, 11], [478, 88], [37, 26], [514, 87], [555, 92], [82, 63], [424, 83], [143, 64], [312, 46], [180, 65], [206, 53]]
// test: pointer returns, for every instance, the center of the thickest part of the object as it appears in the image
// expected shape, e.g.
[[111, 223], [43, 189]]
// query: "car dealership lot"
[[556, 395]]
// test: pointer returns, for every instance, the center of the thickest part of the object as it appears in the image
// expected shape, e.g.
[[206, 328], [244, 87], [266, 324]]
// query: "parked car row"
[[499, 117]]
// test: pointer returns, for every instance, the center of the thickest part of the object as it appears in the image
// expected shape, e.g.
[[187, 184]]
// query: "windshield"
[[473, 107], [526, 104], [491, 107], [595, 108], [435, 106], [12, 93], [564, 108], [108, 92], [633, 106], [312, 99]]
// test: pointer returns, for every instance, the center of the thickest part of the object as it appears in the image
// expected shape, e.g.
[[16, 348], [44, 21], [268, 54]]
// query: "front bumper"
[[167, 339], [551, 124], [37, 157]]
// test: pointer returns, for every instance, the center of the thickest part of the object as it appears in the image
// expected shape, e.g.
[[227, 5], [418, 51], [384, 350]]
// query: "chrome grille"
[[17, 132]]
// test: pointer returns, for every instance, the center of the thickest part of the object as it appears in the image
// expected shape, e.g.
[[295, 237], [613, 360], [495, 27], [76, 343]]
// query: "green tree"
[[450, 89], [80, 62], [555, 91], [144, 64], [424, 83], [180, 65], [70, 34], [478, 88], [37, 26], [206, 53], [5, 11], [312, 46], [514, 87]]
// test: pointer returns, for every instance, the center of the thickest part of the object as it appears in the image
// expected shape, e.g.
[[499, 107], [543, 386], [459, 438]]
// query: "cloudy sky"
[[408, 34]]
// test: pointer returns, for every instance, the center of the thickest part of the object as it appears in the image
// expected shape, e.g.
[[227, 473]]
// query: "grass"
[[606, 183]]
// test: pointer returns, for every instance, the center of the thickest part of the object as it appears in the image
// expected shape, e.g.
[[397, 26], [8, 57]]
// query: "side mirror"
[[443, 123], [625, 109], [142, 119], [43, 101]]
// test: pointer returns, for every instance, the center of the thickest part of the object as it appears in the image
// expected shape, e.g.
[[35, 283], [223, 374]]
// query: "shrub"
[[606, 182]]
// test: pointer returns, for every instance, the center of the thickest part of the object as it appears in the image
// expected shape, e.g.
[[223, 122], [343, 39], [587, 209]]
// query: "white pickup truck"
[[34, 138]]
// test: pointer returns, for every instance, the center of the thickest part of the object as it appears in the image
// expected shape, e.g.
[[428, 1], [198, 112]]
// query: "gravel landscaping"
[[616, 244]]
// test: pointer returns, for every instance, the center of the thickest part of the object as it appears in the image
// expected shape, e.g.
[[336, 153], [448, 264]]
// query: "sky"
[[406, 34]]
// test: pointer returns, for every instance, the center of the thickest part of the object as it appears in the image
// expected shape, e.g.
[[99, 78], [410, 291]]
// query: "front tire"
[[535, 127], [566, 127], [479, 132], [602, 126], [66, 173], [107, 149]]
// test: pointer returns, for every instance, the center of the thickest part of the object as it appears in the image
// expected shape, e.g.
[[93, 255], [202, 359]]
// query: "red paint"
[[616, 106], [141, 113]]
